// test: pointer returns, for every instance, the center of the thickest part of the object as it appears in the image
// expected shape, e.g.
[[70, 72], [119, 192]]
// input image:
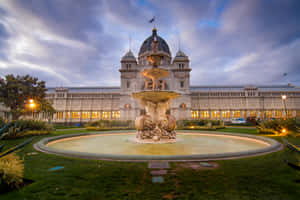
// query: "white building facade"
[[85, 104]]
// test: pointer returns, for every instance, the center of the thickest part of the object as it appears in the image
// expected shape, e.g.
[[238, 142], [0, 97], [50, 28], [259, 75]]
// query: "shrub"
[[277, 125], [111, 124], [11, 171], [202, 122], [20, 128]]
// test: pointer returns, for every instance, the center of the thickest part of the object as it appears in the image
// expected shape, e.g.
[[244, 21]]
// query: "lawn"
[[262, 177]]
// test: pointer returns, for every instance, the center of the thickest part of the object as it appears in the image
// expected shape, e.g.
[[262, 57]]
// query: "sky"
[[80, 43]]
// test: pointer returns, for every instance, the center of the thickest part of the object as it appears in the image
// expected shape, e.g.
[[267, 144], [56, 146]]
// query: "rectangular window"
[[67, 115], [181, 84], [75, 115], [205, 114], [268, 114], [85, 115], [216, 115], [226, 114], [59, 115], [115, 114], [253, 114], [105, 115], [278, 113], [236, 114], [195, 114], [95, 115]]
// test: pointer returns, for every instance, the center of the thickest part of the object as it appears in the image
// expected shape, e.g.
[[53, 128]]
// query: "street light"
[[283, 97], [32, 106]]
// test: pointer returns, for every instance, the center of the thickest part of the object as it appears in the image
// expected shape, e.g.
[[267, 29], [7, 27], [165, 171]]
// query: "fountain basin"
[[155, 96], [190, 145]]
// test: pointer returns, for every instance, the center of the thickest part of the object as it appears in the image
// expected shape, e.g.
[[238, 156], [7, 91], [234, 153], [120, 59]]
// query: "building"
[[84, 104]]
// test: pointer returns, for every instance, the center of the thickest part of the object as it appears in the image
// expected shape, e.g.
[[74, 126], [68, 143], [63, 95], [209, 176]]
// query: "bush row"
[[276, 126], [112, 124]]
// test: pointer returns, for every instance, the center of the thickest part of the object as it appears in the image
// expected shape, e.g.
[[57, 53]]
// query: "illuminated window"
[[127, 106], [278, 113], [95, 115], [268, 114], [195, 114], [182, 105], [75, 115], [253, 114], [105, 115], [216, 114], [67, 115], [226, 114], [205, 114], [85, 115], [115, 114], [236, 114], [59, 115]]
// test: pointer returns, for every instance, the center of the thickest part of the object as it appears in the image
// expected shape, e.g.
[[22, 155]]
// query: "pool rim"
[[274, 146]]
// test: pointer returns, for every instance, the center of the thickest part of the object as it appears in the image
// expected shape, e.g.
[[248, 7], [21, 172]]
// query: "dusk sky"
[[81, 42]]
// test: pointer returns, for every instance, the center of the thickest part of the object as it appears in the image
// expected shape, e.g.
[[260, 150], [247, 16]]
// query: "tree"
[[16, 91]]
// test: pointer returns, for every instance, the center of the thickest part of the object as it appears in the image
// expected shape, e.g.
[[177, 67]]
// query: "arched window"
[[127, 106], [182, 105]]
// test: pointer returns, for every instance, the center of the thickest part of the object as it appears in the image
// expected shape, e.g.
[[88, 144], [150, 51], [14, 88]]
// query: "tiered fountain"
[[155, 125]]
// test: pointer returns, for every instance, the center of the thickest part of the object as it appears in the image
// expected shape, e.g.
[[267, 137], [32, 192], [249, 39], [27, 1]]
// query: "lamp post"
[[32, 106], [283, 97]]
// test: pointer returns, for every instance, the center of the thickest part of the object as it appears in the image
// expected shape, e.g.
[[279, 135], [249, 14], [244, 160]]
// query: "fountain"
[[155, 138], [156, 124]]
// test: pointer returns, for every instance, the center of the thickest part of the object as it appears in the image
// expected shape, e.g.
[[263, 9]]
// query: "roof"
[[87, 89], [129, 56], [240, 88], [147, 44]]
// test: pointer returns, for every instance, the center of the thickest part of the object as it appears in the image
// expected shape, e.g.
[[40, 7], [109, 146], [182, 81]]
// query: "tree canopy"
[[15, 91]]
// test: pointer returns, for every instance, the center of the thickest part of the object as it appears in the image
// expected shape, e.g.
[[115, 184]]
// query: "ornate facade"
[[84, 104]]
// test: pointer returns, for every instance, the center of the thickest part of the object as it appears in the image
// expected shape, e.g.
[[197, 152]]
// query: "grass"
[[262, 177]]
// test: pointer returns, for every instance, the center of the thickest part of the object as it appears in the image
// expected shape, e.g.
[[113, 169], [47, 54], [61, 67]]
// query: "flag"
[[152, 20]]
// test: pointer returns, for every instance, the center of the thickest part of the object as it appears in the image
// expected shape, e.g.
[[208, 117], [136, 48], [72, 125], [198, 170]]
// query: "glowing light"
[[283, 130], [192, 127], [283, 97], [31, 100], [32, 105]]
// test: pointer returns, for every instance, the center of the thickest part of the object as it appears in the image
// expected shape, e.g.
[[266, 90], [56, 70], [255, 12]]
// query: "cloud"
[[81, 42]]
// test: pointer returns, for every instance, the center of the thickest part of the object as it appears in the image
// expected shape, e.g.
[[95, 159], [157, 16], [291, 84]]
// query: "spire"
[[154, 31]]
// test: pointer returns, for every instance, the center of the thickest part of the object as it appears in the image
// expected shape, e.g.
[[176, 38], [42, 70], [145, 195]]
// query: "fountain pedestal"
[[155, 124]]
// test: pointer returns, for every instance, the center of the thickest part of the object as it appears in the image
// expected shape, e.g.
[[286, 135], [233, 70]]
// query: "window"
[[181, 84], [216, 114], [268, 114], [75, 115], [105, 115], [127, 106], [59, 115], [254, 114], [195, 114], [278, 113], [95, 115], [181, 66], [226, 114], [182, 105], [205, 114], [67, 115], [236, 114], [85, 115], [115, 114], [128, 66], [128, 84]]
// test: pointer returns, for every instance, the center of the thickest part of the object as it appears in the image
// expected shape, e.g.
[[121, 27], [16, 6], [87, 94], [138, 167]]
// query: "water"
[[187, 144]]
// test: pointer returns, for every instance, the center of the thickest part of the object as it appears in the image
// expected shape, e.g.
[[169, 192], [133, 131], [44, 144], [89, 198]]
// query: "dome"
[[147, 44], [128, 56]]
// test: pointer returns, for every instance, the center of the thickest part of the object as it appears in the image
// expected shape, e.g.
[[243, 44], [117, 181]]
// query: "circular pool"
[[189, 146]]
